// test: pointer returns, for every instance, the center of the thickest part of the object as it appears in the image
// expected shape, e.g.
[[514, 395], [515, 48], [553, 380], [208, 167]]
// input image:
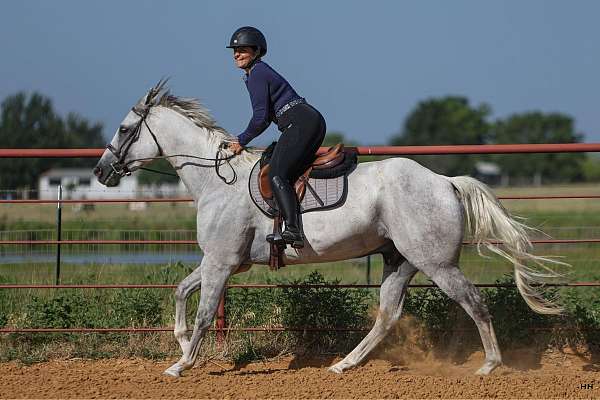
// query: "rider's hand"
[[235, 147]]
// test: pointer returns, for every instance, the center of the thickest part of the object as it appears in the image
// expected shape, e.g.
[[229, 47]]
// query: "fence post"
[[58, 233], [221, 319], [368, 270]]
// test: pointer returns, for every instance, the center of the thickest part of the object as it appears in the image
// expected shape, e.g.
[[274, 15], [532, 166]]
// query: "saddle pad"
[[332, 193]]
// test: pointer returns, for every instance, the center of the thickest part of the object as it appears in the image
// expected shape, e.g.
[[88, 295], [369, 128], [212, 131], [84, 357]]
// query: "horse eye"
[[123, 129]]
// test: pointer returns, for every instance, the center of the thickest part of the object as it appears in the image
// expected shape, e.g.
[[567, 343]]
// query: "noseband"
[[121, 167]]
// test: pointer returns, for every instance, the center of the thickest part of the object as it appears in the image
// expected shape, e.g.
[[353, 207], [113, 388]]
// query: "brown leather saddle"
[[332, 158], [336, 162]]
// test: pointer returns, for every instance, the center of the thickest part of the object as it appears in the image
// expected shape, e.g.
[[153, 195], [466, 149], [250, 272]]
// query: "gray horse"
[[415, 218]]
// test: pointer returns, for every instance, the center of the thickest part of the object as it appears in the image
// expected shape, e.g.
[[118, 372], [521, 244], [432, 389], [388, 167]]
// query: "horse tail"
[[492, 226]]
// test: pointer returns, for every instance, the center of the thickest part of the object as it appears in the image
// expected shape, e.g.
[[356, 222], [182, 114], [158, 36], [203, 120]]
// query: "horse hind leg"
[[452, 281], [397, 273]]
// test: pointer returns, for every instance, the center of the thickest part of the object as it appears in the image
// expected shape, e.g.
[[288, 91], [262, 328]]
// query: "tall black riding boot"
[[288, 206]]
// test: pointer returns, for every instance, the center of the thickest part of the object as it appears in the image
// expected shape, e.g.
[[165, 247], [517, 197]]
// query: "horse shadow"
[[590, 355], [300, 361]]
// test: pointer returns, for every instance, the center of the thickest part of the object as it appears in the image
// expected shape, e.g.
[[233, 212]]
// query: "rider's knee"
[[274, 174], [278, 181]]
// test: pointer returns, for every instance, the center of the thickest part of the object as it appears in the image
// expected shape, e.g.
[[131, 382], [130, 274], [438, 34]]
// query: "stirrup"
[[295, 239], [276, 239]]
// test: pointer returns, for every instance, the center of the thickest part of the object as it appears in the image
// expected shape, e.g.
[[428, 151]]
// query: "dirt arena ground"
[[555, 375]]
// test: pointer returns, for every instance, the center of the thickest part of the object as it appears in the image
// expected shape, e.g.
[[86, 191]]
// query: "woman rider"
[[302, 127]]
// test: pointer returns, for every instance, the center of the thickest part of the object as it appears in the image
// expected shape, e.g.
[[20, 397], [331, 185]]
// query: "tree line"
[[30, 121], [452, 120]]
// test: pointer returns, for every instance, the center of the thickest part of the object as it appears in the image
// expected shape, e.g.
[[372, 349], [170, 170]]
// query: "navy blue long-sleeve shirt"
[[269, 91]]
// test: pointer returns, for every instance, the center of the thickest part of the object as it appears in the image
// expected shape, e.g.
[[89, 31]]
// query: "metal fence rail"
[[253, 329], [361, 150], [275, 286], [189, 199], [149, 241]]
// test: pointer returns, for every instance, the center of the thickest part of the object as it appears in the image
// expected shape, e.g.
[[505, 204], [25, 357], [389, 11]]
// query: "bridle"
[[121, 167]]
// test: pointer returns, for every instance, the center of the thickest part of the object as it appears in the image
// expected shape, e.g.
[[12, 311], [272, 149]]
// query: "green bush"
[[74, 308], [137, 307], [327, 307], [3, 303], [3, 310], [254, 307], [431, 307], [591, 168], [64, 310], [512, 317], [514, 322], [584, 313]]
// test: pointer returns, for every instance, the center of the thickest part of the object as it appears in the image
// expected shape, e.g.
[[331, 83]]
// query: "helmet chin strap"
[[256, 59]]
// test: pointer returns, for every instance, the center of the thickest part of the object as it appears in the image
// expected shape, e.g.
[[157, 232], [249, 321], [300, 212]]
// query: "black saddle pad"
[[328, 193]]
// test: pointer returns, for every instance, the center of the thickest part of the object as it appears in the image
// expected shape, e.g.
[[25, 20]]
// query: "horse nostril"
[[98, 171]]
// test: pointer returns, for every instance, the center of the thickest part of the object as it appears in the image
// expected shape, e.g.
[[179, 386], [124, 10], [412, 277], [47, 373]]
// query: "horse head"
[[134, 144]]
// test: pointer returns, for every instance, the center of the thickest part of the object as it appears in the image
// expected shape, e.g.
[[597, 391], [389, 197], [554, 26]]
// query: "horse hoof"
[[337, 368], [488, 367], [174, 371]]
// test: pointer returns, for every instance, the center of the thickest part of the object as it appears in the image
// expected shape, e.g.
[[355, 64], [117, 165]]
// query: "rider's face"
[[243, 56]]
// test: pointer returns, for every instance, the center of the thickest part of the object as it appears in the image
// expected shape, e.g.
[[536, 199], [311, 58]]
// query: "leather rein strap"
[[121, 167]]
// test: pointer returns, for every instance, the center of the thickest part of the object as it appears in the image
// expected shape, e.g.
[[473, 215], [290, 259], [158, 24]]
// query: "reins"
[[122, 168], [218, 161]]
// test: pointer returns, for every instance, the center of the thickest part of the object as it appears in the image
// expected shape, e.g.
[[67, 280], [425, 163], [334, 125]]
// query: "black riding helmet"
[[249, 36]]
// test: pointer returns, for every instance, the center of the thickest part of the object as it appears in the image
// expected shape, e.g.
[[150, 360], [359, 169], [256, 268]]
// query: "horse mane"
[[195, 111]]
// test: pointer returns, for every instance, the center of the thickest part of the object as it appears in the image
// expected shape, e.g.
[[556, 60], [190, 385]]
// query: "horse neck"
[[181, 136]]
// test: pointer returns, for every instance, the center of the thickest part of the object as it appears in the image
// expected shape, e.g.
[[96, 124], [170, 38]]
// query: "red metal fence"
[[220, 325], [362, 150]]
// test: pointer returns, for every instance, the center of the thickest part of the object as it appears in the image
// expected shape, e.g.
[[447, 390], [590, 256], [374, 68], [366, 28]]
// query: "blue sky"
[[365, 65]]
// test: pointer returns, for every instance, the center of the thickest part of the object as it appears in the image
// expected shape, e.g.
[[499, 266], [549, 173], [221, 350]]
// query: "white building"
[[80, 183], [488, 172]]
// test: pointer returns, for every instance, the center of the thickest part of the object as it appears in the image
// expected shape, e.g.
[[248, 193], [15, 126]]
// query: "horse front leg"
[[213, 279], [184, 290]]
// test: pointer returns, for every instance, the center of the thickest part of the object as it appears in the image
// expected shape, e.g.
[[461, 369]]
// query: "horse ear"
[[161, 84], [155, 91], [148, 97]]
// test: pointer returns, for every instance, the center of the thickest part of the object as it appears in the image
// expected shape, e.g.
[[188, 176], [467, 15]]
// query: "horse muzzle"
[[110, 174]]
